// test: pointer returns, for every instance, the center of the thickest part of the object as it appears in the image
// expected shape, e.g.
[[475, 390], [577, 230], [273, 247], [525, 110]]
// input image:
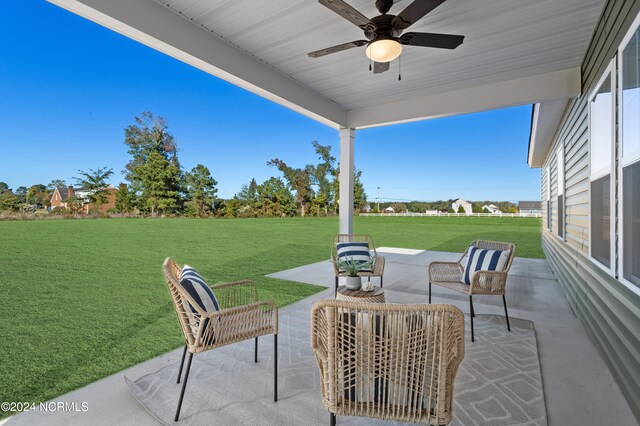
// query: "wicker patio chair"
[[387, 361], [450, 275], [241, 317], [378, 268]]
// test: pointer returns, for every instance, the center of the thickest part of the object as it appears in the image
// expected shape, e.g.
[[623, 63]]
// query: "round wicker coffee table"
[[374, 296]]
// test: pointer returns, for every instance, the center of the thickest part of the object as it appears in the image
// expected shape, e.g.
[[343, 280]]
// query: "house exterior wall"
[[609, 309], [56, 199], [465, 205]]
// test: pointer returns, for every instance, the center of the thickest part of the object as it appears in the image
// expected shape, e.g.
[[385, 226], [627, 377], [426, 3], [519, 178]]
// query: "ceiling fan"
[[384, 32]]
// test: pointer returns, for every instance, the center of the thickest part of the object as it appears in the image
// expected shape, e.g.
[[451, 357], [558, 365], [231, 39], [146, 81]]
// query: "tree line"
[[156, 184], [443, 206]]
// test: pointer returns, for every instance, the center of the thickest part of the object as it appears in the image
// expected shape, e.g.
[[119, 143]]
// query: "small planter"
[[353, 283]]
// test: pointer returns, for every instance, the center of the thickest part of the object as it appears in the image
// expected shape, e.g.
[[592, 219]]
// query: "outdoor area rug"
[[498, 382]]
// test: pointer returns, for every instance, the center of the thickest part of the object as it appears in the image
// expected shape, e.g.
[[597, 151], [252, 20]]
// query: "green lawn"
[[82, 299]]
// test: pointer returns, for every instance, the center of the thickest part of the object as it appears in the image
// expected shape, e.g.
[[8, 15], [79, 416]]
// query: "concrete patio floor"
[[579, 389]]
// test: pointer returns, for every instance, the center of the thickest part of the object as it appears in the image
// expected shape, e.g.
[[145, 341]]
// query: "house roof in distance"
[[530, 205]]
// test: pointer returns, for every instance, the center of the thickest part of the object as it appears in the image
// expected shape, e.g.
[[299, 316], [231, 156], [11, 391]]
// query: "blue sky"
[[69, 87]]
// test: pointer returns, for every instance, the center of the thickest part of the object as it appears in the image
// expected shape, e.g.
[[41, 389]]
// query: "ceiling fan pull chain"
[[400, 68], [370, 62]]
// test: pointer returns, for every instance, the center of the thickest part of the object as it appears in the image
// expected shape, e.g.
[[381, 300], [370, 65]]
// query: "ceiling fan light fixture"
[[383, 50]]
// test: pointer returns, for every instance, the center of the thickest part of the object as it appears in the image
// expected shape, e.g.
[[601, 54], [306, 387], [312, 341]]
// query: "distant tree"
[[451, 210], [21, 193], [8, 200], [275, 198], [299, 180], [38, 195], [248, 193], [399, 207], [124, 199], [461, 209], [95, 182], [159, 178], [56, 183], [321, 175], [3, 187], [359, 195], [154, 171], [476, 208], [201, 189]]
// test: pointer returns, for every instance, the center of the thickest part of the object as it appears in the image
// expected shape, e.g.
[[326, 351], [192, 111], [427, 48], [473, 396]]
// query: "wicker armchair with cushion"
[[482, 270], [340, 249], [387, 361], [211, 320]]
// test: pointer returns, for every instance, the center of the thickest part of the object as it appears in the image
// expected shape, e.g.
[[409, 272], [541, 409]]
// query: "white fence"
[[454, 214]]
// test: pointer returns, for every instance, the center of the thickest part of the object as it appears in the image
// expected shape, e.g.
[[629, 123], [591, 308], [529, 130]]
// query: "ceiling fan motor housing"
[[385, 30]]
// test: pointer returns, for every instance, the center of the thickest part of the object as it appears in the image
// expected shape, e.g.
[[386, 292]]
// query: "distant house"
[[389, 210], [491, 208], [61, 196], [465, 205], [366, 208], [530, 207]]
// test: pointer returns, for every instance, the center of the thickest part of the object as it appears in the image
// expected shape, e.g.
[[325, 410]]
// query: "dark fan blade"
[[443, 41], [414, 12], [350, 14], [380, 67], [338, 48]]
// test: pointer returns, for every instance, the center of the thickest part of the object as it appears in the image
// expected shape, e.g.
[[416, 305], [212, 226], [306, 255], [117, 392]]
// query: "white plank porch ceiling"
[[505, 40]]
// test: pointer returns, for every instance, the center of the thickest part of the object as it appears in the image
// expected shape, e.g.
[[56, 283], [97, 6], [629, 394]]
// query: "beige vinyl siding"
[[543, 196], [609, 310]]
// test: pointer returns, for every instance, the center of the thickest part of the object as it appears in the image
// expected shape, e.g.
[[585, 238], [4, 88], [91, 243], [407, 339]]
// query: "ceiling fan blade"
[[380, 67], [338, 48], [414, 12], [442, 41], [349, 13]]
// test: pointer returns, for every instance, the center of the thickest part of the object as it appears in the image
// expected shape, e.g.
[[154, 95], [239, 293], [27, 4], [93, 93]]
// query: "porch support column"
[[346, 180]]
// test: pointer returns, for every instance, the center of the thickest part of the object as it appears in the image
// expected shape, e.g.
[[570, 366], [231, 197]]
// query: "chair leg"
[[255, 356], [472, 315], [429, 292], [504, 301], [332, 419], [336, 291], [275, 368], [380, 281], [184, 353], [184, 386]]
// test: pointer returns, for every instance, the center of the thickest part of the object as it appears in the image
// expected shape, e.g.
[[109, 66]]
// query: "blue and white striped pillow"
[[201, 293], [485, 260], [359, 252]]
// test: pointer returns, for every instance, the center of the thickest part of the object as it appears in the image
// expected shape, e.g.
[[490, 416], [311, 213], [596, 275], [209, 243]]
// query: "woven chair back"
[[388, 361], [181, 300]]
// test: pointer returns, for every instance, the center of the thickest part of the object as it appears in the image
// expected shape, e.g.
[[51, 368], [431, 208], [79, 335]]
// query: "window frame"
[[548, 198], [560, 189], [609, 71], [626, 161]]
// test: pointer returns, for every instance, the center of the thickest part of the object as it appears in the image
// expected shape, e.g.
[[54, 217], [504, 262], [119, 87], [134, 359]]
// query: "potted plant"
[[351, 267]]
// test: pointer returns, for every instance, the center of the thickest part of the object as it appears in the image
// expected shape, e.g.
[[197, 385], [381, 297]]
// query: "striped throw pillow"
[[483, 260], [356, 251], [201, 293]]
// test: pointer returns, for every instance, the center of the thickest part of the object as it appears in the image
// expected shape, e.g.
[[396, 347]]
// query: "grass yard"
[[82, 299]]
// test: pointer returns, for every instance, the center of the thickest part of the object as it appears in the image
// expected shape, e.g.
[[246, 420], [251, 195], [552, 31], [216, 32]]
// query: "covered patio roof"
[[515, 52]]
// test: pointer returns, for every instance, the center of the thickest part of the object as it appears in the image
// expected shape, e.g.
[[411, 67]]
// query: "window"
[[548, 197], [601, 114], [629, 75], [560, 184]]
